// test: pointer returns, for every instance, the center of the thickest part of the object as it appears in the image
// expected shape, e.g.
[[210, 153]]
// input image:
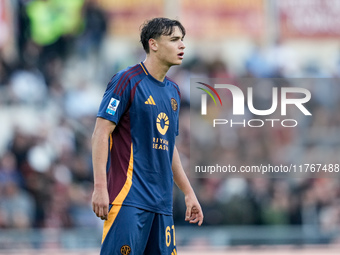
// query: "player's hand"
[[194, 211], [100, 203]]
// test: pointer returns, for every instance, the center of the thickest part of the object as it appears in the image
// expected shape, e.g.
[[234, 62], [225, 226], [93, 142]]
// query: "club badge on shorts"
[[125, 250]]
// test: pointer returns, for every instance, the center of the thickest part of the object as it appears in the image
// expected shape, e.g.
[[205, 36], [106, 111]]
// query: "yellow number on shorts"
[[168, 235], [173, 232]]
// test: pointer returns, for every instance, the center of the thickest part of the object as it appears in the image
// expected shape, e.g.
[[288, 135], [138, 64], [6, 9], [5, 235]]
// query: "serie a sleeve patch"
[[112, 107]]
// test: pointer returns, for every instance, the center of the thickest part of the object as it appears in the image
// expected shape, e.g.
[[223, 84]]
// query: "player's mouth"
[[180, 55]]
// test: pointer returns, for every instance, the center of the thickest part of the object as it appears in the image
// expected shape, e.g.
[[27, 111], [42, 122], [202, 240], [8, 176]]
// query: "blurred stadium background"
[[56, 59]]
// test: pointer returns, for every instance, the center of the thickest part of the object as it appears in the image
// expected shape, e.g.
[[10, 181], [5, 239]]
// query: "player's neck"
[[157, 69]]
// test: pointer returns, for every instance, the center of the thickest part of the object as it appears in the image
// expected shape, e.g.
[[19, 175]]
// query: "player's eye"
[[175, 39]]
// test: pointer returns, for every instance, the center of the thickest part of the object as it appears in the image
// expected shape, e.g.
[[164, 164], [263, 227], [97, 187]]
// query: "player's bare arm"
[[100, 140], [194, 211]]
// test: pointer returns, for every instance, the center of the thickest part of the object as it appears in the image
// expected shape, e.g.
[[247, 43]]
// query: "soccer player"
[[135, 160]]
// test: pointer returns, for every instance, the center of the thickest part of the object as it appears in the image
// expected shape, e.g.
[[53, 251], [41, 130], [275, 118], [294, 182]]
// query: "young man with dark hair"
[[135, 160]]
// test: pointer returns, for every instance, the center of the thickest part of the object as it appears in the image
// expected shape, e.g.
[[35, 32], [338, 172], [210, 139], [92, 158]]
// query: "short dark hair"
[[155, 28]]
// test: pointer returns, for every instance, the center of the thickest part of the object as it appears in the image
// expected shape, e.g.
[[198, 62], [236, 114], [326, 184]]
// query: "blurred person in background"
[[16, 206], [135, 160]]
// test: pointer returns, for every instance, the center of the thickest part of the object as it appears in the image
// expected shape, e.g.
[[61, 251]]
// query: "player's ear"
[[153, 44]]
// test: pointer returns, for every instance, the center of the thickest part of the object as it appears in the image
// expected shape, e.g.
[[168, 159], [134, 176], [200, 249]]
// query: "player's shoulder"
[[131, 72], [174, 85], [122, 78]]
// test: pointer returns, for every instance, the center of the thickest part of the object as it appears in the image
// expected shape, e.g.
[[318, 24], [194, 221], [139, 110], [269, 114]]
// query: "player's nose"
[[182, 45]]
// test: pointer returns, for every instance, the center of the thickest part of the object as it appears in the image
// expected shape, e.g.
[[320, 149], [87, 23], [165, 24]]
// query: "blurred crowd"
[[49, 96], [48, 110]]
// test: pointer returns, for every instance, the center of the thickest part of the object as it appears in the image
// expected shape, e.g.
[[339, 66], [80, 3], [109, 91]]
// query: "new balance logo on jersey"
[[150, 101]]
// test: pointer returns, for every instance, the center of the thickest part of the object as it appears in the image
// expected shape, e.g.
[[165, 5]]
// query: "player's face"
[[171, 48]]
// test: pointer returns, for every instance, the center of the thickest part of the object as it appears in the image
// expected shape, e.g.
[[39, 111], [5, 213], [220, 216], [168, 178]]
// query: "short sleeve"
[[115, 99]]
